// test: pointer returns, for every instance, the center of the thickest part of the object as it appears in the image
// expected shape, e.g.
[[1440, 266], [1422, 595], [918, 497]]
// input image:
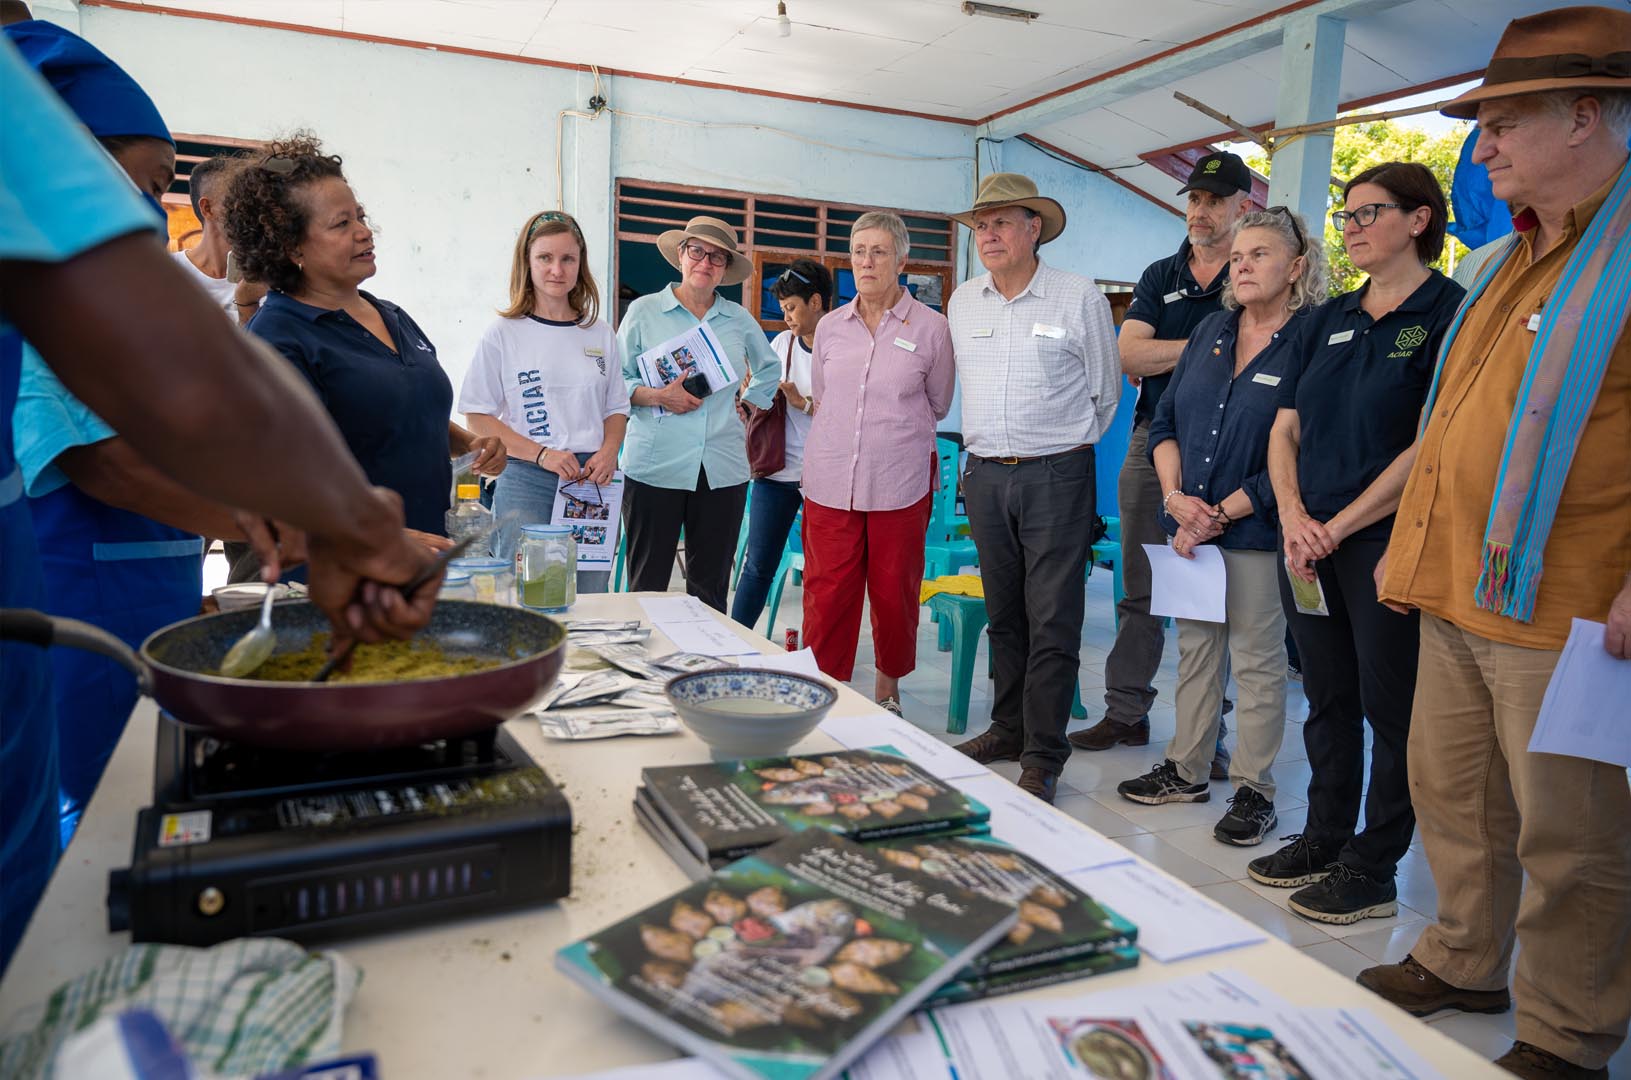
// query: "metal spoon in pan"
[[252, 650]]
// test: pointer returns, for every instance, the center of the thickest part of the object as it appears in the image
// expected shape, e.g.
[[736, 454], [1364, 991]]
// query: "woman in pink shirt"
[[883, 374]]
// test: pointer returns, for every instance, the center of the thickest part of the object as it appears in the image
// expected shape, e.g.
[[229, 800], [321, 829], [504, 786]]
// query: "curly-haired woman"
[[296, 225]]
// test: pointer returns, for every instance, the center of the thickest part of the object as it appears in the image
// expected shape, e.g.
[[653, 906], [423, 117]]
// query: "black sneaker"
[[1346, 896], [1162, 784], [1301, 862], [1249, 819]]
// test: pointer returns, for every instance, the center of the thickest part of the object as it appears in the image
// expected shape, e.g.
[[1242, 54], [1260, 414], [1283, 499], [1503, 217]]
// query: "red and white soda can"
[[792, 639]]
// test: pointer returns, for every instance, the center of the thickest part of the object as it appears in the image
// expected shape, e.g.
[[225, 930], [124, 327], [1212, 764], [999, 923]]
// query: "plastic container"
[[468, 516], [547, 561], [492, 581], [456, 586]]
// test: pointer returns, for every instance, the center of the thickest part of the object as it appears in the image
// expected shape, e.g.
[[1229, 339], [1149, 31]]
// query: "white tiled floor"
[[1178, 837]]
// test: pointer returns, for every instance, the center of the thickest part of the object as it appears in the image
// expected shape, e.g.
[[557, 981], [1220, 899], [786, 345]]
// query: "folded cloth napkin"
[[957, 584], [244, 1007]]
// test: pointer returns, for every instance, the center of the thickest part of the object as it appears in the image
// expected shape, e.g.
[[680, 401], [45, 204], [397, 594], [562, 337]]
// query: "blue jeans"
[[770, 515], [530, 491]]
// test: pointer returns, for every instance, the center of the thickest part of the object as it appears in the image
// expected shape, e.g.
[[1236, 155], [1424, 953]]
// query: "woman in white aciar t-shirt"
[[548, 381], [804, 291]]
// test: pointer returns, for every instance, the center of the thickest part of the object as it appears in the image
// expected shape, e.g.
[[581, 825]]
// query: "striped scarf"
[[1579, 327]]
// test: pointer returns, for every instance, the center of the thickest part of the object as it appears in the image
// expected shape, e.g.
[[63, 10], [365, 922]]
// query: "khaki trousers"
[[1253, 640], [1490, 812]]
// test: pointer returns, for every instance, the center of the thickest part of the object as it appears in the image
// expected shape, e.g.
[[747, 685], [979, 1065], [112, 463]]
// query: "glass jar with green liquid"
[[548, 558]]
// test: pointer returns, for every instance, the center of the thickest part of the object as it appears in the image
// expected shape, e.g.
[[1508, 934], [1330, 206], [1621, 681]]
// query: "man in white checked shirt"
[[1036, 356]]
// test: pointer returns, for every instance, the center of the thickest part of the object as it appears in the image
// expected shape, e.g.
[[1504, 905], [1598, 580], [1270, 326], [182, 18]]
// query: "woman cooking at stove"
[[296, 225]]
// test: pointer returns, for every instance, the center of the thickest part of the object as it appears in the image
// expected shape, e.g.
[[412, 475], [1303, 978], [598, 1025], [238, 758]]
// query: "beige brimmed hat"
[[1572, 48], [709, 230], [1012, 189]]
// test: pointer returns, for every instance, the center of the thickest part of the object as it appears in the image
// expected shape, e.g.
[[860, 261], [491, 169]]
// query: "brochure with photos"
[[789, 963], [724, 810]]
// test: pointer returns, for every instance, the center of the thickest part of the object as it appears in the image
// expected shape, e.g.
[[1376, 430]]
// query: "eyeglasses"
[[1296, 230], [698, 253], [1364, 217], [790, 275]]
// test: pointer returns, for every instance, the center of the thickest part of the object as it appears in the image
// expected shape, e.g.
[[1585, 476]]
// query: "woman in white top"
[[805, 293], [547, 380]]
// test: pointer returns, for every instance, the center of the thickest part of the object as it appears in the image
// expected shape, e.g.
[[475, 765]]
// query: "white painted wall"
[[451, 153]]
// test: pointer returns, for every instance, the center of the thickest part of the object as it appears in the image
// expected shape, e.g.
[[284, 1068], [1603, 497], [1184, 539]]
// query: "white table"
[[481, 997]]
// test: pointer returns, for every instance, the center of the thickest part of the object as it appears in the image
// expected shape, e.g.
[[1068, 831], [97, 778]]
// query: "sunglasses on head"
[[1296, 230], [790, 275]]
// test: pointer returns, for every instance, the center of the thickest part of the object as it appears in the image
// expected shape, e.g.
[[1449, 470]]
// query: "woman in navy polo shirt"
[[296, 225], [1342, 446], [1209, 442]]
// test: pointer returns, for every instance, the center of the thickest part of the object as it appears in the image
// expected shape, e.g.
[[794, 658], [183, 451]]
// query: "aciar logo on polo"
[[1411, 337]]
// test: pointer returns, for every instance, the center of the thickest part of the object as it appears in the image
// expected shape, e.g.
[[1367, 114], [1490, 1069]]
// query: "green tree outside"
[[1358, 147]]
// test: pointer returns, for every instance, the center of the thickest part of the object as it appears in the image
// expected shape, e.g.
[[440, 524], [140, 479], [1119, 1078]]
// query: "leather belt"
[[1038, 457]]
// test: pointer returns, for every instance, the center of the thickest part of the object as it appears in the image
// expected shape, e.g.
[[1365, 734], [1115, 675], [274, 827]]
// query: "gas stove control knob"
[[211, 901]]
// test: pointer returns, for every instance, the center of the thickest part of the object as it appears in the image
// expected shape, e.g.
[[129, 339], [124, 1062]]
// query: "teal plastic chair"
[[947, 545], [1107, 552], [742, 540], [792, 563]]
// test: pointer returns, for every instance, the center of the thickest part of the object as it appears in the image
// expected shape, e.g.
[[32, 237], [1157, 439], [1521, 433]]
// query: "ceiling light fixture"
[[997, 11], [784, 25]]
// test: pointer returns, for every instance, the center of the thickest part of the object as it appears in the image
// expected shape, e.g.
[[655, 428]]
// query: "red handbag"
[[767, 429]]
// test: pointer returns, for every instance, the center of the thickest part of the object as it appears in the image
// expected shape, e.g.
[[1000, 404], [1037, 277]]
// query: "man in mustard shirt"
[[1515, 520]]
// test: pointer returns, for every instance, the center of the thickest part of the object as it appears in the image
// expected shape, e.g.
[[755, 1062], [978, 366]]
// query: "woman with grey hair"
[[883, 374], [1209, 442]]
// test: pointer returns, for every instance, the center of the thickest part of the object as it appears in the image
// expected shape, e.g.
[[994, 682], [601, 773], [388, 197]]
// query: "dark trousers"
[[1032, 524], [771, 511], [1359, 664], [652, 519]]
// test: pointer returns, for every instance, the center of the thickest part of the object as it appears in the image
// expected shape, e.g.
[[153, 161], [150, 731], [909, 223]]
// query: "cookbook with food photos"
[[791, 962], [723, 810]]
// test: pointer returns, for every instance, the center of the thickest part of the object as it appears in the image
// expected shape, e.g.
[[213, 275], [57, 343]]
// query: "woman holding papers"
[[883, 374], [547, 381], [686, 459], [1343, 443], [804, 291], [1209, 442]]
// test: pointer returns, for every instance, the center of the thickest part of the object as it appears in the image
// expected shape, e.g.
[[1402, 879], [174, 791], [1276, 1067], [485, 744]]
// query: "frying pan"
[[177, 663]]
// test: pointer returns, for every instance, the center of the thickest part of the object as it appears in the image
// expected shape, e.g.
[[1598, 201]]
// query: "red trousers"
[[854, 554]]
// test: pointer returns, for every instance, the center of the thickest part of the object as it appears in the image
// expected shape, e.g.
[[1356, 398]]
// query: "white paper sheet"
[[1183, 588], [595, 513], [1174, 921], [1052, 837], [1585, 713], [680, 1069], [878, 728], [708, 638], [802, 662], [676, 609]]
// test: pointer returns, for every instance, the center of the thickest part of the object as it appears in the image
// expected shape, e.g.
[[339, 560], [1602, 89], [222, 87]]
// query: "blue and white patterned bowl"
[[749, 712]]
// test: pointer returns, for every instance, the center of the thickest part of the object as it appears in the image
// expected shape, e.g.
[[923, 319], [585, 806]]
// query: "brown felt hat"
[[1012, 189], [710, 230], [1572, 48]]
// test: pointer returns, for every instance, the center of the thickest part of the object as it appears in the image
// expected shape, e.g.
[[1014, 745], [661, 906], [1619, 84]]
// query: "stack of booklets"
[[1062, 933], [713, 813], [789, 963]]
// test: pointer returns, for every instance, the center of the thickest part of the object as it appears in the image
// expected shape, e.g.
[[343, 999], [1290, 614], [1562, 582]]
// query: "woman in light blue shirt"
[[685, 458]]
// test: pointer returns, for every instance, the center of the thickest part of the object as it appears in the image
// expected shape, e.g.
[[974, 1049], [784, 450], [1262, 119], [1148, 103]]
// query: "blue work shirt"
[[52, 207], [1221, 422], [1169, 298], [391, 407], [1358, 385], [672, 450]]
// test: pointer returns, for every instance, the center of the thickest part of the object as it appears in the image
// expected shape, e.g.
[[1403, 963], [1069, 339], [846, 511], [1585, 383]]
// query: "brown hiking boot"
[[1039, 782], [1420, 993], [1533, 1063], [1107, 733], [989, 747]]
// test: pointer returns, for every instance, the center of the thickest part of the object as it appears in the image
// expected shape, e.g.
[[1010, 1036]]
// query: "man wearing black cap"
[[1173, 295]]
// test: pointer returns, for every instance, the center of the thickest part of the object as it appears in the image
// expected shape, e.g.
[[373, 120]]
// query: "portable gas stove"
[[244, 842]]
